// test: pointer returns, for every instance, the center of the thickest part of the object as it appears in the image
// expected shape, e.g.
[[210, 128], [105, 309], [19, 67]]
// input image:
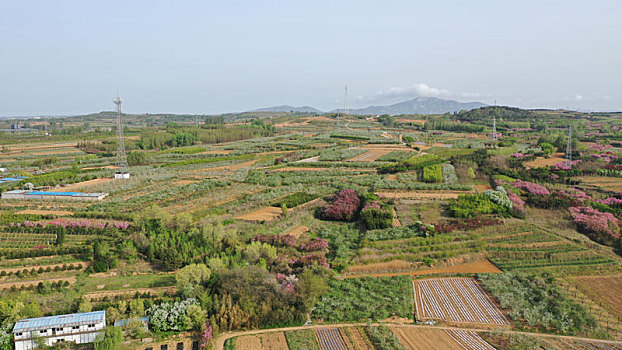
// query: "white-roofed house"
[[79, 328]]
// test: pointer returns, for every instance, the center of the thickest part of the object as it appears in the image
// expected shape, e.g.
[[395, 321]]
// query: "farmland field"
[[424, 339], [459, 300], [605, 289], [330, 339], [284, 225]]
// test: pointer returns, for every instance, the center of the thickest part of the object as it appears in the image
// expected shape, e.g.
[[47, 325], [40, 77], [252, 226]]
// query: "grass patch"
[[301, 340]]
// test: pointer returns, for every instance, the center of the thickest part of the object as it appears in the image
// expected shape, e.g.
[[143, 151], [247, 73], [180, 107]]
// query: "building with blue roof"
[[28, 194], [78, 328]]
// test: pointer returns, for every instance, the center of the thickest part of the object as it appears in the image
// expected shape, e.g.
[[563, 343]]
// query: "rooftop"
[[55, 193], [39, 323]]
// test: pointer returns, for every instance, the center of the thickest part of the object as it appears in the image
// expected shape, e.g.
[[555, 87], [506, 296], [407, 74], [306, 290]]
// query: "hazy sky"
[[72, 57]]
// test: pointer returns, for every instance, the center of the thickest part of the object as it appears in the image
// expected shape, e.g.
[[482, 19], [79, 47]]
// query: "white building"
[[78, 328]]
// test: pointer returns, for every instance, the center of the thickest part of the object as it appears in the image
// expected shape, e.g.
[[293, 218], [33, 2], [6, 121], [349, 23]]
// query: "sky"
[[207, 57]]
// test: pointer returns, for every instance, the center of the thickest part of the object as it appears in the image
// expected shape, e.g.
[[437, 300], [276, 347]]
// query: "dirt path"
[[220, 340]]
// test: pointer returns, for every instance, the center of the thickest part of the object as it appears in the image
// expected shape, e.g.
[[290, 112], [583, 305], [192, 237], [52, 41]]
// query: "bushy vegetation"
[[343, 206], [538, 301], [301, 339], [294, 199], [413, 163], [362, 299], [432, 173], [472, 205]]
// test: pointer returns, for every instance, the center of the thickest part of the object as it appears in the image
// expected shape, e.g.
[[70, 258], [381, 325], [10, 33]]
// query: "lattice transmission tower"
[[123, 170]]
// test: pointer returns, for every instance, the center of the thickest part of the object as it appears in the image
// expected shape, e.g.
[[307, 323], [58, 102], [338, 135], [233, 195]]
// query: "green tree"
[[60, 236], [191, 278], [137, 158], [85, 305], [112, 339], [547, 148]]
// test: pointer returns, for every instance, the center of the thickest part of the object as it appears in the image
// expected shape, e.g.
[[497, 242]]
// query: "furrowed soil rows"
[[425, 339], [330, 339], [359, 339], [561, 343], [457, 300], [604, 183], [370, 156], [266, 341], [482, 266], [607, 289], [469, 340], [248, 342], [81, 185]]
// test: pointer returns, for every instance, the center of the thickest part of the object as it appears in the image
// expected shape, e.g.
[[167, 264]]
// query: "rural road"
[[220, 340]]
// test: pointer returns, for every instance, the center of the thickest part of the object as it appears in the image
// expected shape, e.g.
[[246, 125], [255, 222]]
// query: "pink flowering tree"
[[531, 187], [344, 207], [601, 227], [207, 335]]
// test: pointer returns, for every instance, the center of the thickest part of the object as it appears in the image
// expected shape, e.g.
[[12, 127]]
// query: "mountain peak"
[[420, 105]]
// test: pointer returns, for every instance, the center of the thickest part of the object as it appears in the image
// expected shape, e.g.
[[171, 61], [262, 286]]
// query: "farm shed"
[[26, 194], [78, 328]]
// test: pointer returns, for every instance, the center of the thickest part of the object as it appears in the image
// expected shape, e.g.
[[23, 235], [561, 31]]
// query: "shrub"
[[377, 218], [314, 245], [412, 163], [432, 173], [406, 231], [294, 199], [499, 196], [344, 206], [449, 174], [276, 240], [531, 187], [471, 205], [539, 302]]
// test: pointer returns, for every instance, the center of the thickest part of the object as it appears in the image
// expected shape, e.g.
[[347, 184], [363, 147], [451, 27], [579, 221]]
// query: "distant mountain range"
[[417, 105], [287, 109]]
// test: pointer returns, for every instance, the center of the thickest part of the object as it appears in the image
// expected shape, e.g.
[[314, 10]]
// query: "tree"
[[137, 158], [103, 257], [60, 236], [257, 250], [547, 149], [85, 305], [110, 340], [195, 317], [191, 278]]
